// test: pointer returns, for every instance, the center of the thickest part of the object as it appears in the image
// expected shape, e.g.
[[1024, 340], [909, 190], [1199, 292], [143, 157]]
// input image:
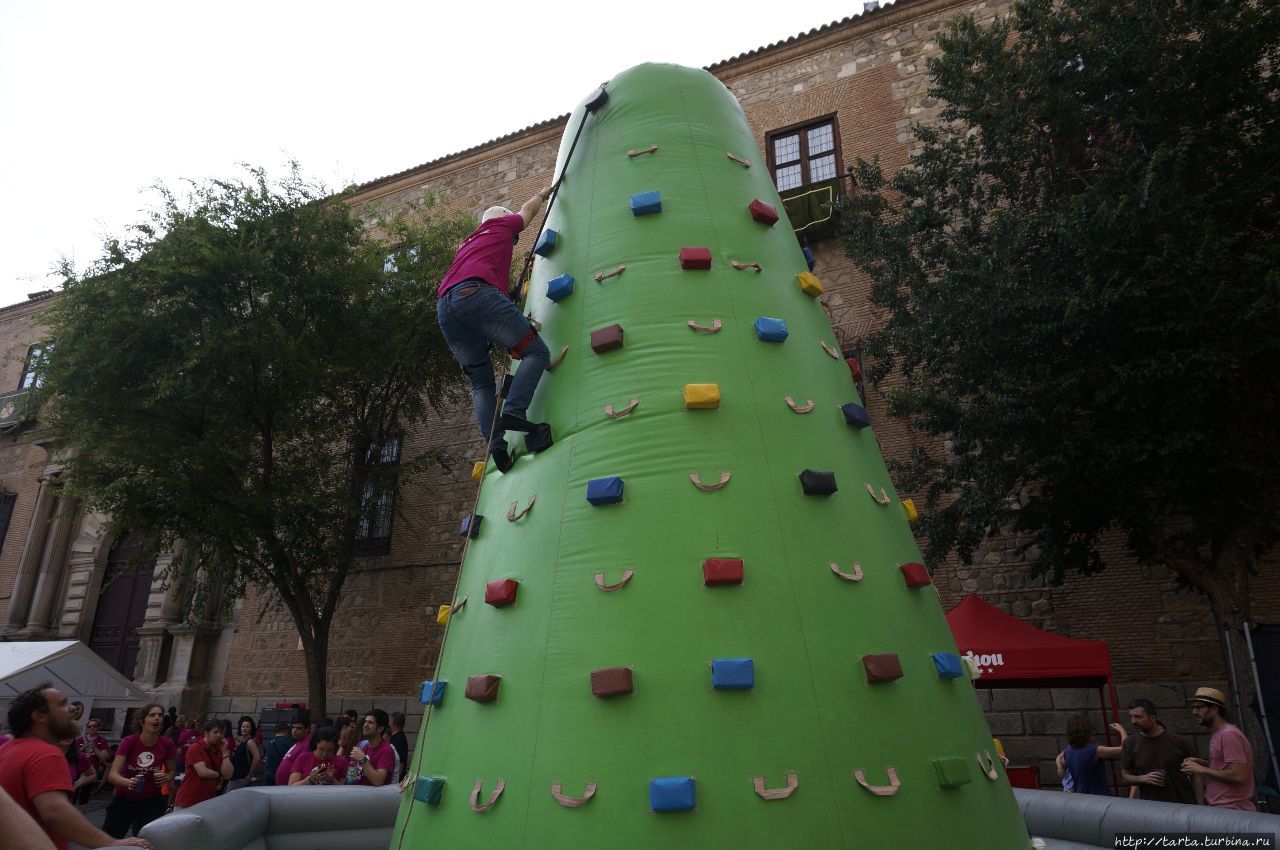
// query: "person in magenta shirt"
[[374, 757], [475, 310], [1228, 774], [143, 764], [80, 766], [98, 750], [300, 728], [320, 764]]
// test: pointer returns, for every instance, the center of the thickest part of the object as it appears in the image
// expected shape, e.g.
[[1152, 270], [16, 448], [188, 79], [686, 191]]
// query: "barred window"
[[803, 154], [377, 499]]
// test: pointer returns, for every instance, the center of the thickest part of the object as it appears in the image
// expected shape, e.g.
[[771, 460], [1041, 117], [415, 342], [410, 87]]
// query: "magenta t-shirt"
[[286, 763], [83, 763], [98, 743], [141, 759], [336, 772], [381, 757], [486, 254]]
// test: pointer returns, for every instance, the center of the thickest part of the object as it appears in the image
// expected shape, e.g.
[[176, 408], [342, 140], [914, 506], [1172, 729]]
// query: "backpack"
[[240, 761]]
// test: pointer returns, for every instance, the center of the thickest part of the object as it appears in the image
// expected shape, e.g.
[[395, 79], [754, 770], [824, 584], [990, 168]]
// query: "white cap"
[[494, 212]]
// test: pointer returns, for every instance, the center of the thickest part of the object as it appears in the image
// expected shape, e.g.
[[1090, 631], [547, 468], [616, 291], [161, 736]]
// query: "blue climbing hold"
[[770, 330], [733, 674], [948, 665], [560, 288], [646, 203], [672, 794], [855, 415], [546, 243], [432, 692], [604, 491]]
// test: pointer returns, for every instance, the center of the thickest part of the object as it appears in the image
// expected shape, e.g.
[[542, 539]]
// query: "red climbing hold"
[[695, 257], [762, 212], [501, 592], [717, 571], [916, 575]]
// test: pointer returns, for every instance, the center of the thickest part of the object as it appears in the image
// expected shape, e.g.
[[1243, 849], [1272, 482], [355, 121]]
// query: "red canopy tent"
[[1014, 654]]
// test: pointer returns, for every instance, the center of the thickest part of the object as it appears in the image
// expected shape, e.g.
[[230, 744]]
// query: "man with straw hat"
[[1228, 774]]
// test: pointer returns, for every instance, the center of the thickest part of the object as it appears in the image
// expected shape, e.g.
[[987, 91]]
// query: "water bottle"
[[353, 770]]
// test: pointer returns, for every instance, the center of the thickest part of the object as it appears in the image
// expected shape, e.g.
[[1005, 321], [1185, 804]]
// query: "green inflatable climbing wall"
[[706, 625]]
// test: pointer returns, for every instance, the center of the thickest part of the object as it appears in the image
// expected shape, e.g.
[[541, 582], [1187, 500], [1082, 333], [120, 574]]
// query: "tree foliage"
[[1081, 278], [230, 371]]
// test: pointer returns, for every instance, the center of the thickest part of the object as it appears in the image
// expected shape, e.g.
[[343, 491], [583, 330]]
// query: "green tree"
[[235, 376], [1079, 273]]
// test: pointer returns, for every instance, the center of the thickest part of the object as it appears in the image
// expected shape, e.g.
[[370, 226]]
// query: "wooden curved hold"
[[635, 153], [831, 351], [799, 408], [601, 276], [744, 266], [554, 363], [610, 588], [618, 414], [793, 781], [476, 806], [879, 790], [457, 606], [715, 326], [882, 499], [737, 159], [707, 488], [855, 575], [989, 767], [557, 789], [513, 515]]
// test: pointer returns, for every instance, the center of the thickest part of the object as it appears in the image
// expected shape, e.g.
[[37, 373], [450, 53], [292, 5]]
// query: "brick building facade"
[[864, 78]]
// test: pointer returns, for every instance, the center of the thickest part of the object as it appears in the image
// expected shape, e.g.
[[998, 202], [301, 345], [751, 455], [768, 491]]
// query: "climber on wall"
[[475, 309]]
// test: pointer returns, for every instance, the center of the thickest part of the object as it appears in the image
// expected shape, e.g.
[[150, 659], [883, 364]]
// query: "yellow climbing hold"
[[442, 615], [810, 284], [477, 470], [701, 396], [910, 507]]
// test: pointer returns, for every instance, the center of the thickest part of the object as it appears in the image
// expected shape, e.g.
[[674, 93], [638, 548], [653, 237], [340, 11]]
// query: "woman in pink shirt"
[[321, 764], [143, 764]]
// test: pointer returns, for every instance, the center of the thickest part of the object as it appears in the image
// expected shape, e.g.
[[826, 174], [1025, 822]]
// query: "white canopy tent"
[[72, 668]]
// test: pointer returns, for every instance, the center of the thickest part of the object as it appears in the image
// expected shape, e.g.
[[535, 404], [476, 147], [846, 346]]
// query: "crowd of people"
[[49, 772], [1159, 764]]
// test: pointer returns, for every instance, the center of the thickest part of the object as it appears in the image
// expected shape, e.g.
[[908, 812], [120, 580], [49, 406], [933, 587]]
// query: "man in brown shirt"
[[1152, 759]]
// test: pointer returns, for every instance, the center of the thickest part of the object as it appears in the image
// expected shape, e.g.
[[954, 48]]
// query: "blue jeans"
[[473, 315]]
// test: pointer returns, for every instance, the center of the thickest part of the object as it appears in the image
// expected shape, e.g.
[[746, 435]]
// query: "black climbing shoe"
[[539, 438], [511, 422], [502, 458]]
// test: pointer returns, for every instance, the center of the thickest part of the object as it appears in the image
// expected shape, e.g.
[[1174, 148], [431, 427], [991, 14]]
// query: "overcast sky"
[[100, 100]]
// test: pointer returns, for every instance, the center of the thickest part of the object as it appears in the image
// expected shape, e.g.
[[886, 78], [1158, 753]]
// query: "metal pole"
[[1262, 706], [1231, 666]]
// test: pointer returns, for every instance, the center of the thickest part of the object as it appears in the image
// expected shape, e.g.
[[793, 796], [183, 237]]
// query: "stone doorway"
[[122, 604]]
